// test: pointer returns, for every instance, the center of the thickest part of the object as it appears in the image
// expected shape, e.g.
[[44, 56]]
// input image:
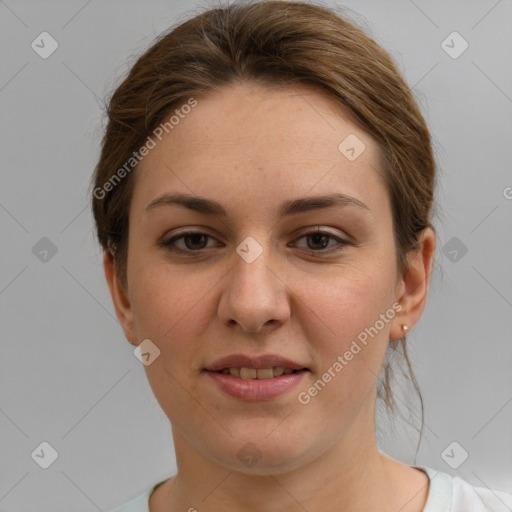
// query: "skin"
[[251, 148]]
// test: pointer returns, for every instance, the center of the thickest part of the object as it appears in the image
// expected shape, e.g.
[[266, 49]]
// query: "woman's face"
[[258, 281]]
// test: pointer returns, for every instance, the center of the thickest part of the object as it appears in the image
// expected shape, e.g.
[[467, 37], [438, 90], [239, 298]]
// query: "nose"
[[255, 295]]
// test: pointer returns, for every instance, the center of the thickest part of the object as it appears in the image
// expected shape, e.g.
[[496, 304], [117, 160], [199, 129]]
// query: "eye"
[[320, 240], [192, 240], [196, 241]]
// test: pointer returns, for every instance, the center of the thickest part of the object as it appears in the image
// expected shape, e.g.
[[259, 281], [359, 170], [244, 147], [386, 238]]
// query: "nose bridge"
[[254, 294], [252, 274]]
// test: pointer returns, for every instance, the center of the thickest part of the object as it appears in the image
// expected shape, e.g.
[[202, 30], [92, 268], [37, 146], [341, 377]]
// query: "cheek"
[[353, 337], [160, 295], [174, 307], [351, 301], [166, 310]]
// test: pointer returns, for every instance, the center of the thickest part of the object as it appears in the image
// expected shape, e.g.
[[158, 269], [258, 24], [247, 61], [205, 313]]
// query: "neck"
[[350, 475]]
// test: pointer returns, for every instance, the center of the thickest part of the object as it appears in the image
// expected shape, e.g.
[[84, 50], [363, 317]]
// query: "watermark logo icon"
[[146, 352], [249, 454], [454, 455], [44, 250], [44, 45], [454, 45], [454, 249], [351, 147], [249, 249], [44, 455]]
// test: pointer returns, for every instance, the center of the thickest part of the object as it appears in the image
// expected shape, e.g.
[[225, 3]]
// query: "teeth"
[[248, 373], [264, 373], [260, 373], [278, 371]]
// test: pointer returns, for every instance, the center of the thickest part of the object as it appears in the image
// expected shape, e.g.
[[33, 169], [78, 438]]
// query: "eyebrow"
[[288, 208]]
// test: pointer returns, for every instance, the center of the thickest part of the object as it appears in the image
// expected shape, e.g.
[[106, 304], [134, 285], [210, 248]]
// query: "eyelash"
[[169, 244]]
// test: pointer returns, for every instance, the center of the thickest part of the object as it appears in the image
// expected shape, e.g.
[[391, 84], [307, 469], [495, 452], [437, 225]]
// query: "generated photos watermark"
[[304, 397], [137, 156]]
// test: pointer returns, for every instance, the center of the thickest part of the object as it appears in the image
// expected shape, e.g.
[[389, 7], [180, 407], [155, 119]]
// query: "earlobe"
[[413, 287], [120, 298]]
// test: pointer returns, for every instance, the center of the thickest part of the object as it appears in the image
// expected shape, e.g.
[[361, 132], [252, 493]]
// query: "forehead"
[[264, 143]]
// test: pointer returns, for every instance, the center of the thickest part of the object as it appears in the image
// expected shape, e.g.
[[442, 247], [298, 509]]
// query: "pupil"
[[194, 237], [317, 236]]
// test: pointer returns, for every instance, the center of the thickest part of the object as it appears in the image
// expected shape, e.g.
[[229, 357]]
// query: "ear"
[[412, 288], [120, 298]]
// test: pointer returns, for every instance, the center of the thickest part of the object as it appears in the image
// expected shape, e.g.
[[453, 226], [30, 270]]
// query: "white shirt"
[[452, 494], [446, 494]]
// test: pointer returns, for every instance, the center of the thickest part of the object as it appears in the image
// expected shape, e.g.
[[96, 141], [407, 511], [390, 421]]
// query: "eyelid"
[[340, 245], [168, 243]]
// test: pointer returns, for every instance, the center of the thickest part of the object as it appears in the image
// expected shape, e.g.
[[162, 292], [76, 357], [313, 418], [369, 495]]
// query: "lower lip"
[[256, 389]]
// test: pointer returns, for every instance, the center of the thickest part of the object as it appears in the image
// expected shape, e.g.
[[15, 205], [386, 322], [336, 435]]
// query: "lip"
[[257, 362], [256, 389]]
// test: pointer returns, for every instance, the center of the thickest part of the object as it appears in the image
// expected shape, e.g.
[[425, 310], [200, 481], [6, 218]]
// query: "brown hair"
[[273, 43]]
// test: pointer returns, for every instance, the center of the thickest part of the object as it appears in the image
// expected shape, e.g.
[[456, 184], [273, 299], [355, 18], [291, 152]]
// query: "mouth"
[[257, 384], [256, 377], [258, 373]]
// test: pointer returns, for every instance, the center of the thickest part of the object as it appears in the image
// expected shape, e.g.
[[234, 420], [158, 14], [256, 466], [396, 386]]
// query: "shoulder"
[[453, 494], [465, 494], [139, 503]]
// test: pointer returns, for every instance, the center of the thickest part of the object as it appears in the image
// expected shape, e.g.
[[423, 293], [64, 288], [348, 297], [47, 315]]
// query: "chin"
[[277, 455]]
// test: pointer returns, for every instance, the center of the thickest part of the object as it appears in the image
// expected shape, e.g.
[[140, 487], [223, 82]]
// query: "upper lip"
[[244, 361]]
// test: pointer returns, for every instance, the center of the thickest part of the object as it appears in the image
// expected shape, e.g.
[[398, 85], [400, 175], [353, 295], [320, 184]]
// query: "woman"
[[264, 198]]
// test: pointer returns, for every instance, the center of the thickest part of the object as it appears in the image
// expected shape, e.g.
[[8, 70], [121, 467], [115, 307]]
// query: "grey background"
[[68, 376]]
